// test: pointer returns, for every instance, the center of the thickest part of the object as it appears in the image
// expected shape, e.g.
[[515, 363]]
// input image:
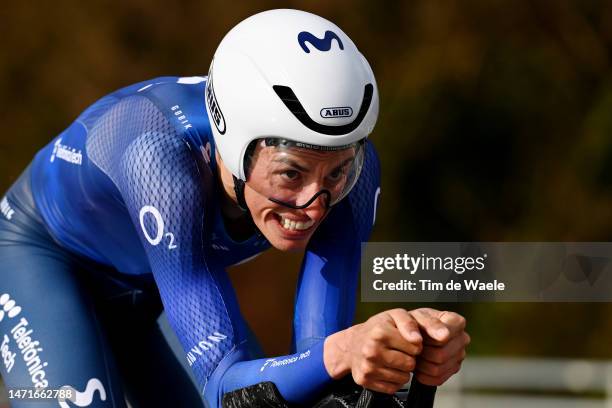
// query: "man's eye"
[[336, 175], [291, 175]]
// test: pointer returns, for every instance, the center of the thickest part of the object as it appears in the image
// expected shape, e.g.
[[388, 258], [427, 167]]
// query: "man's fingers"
[[391, 340], [384, 387], [407, 325], [398, 361], [430, 380], [453, 321], [393, 376], [429, 321], [439, 354], [436, 370]]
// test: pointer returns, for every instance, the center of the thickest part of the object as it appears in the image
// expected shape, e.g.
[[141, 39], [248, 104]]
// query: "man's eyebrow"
[[292, 164], [344, 163]]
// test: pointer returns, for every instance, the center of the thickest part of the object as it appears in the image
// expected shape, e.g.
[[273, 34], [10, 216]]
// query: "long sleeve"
[[166, 189], [327, 287]]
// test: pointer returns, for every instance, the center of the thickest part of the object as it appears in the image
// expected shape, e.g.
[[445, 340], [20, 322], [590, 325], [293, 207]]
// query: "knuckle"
[[405, 363], [359, 378], [367, 368], [404, 378], [410, 364], [437, 356], [376, 387], [409, 324], [387, 389], [418, 348], [456, 318], [369, 351], [377, 333]]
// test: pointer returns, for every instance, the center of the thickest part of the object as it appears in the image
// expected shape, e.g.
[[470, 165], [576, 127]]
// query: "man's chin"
[[286, 244], [289, 245]]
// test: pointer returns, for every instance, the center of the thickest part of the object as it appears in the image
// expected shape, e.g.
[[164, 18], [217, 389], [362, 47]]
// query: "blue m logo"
[[321, 44]]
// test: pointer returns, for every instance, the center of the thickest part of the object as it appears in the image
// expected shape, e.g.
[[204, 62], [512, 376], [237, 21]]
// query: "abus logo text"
[[341, 112]]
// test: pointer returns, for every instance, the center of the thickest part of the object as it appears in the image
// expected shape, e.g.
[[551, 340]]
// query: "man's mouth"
[[294, 225]]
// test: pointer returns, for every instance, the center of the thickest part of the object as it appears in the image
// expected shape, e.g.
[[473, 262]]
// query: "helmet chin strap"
[[239, 190]]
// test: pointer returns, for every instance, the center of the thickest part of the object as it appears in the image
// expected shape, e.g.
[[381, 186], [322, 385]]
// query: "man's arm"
[[381, 352], [327, 287], [166, 188]]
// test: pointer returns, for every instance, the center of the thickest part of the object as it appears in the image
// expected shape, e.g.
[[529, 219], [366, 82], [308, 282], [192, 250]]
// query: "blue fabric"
[[93, 329], [132, 184]]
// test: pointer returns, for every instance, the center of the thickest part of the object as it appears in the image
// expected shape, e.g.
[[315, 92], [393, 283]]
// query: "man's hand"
[[444, 343], [380, 353]]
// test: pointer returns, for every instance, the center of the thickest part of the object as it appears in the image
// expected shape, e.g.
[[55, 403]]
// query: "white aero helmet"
[[290, 75]]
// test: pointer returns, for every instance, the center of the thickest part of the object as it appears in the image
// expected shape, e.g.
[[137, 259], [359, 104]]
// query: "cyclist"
[[156, 188]]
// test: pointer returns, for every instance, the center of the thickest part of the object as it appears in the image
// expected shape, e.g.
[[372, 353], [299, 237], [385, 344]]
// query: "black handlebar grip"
[[420, 395]]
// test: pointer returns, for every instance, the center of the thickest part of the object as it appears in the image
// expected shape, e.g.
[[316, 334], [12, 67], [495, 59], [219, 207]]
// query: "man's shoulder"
[[162, 82]]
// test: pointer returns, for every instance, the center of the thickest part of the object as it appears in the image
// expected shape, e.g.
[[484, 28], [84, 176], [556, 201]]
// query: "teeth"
[[295, 225]]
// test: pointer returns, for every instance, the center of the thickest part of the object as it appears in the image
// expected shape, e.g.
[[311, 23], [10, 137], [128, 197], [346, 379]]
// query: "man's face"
[[293, 177]]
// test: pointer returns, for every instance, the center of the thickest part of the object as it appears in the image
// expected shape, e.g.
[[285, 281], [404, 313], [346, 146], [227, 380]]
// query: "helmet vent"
[[292, 103]]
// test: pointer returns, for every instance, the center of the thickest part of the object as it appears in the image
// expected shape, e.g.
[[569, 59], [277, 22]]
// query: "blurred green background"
[[495, 125]]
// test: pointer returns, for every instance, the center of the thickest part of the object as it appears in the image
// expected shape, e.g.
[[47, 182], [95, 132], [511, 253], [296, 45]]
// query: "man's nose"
[[316, 211], [320, 204]]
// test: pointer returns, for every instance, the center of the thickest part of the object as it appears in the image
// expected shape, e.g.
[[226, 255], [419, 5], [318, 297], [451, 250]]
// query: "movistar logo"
[[213, 106], [83, 398], [341, 112], [321, 44]]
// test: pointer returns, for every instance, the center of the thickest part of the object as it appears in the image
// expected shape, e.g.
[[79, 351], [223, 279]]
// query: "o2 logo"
[[159, 223]]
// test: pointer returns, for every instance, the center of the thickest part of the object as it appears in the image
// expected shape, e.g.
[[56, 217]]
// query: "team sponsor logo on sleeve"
[[209, 343], [181, 117], [7, 210], [66, 153], [273, 362], [159, 234]]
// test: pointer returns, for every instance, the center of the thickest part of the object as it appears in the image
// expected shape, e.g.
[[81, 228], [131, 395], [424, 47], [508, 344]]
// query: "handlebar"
[[419, 396]]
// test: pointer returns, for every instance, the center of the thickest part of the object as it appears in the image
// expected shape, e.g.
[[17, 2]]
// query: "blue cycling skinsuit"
[[119, 211]]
